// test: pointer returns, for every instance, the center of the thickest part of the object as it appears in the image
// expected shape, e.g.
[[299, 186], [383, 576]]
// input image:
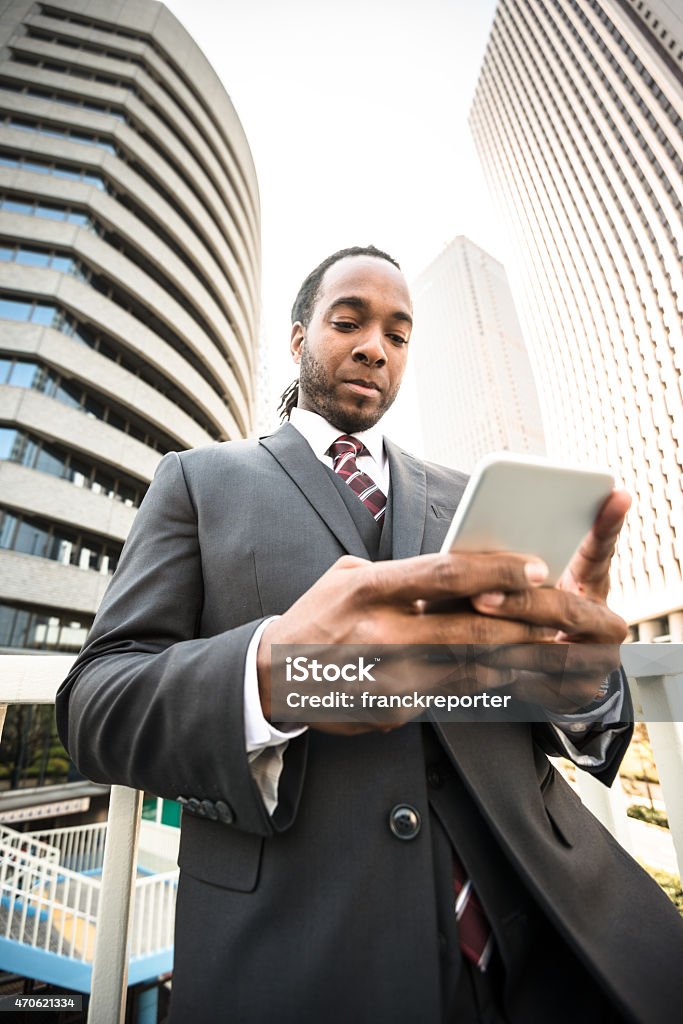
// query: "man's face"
[[353, 353]]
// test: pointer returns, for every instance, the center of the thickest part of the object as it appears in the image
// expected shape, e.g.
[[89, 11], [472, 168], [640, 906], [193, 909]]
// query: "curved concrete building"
[[129, 290]]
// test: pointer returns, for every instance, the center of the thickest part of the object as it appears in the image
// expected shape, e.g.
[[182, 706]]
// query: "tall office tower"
[[129, 281], [577, 119], [475, 387]]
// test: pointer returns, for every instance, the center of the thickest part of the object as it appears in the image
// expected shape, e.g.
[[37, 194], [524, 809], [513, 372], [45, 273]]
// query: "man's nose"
[[370, 348]]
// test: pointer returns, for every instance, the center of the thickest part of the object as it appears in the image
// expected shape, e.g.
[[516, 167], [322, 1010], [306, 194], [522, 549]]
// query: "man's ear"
[[296, 341]]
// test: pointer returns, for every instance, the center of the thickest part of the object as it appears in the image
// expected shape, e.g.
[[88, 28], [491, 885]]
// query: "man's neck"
[[320, 433]]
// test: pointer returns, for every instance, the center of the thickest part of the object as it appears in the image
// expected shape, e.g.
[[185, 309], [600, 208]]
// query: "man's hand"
[[425, 601]]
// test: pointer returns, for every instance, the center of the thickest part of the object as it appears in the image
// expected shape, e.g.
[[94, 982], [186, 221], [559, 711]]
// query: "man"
[[319, 865]]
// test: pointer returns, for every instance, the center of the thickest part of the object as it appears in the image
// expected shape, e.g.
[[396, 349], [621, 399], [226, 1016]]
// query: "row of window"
[[159, 187], [53, 212], [633, 91], [50, 131], [52, 259], [67, 171], [37, 630], [105, 286], [69, 101], [26, 310], [73, 44], [27, 374], [116, 112], [635, 60], [77, 135], [179, 72], [606, 177], [608, 149], [29, 60], [587, 177], [16, 310], [625, 148], [56, 14], [609, 89], [49, 211], [41, 538], [28, 450]]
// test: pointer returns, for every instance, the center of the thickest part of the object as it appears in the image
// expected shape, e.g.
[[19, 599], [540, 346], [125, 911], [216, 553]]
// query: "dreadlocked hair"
[[304, 304], [288, 400]]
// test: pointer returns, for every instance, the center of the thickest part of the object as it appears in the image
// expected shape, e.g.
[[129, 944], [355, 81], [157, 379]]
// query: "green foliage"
[[671, 884], [649, 814]]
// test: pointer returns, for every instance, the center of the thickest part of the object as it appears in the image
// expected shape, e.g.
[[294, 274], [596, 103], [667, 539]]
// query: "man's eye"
[[344, 325], [398, 338]]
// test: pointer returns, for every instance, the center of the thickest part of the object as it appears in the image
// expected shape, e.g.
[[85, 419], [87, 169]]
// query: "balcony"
[[92, 908], [50, 899]]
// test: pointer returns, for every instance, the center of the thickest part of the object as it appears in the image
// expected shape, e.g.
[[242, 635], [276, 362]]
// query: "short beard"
[[313, 384]]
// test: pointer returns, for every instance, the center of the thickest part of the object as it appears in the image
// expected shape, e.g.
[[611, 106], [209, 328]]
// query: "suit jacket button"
[[209, 809], [194, 806], [224, 812], [405, 821]]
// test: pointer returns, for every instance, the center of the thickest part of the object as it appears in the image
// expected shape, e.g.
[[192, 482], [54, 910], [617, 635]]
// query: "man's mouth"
[[363, 387]]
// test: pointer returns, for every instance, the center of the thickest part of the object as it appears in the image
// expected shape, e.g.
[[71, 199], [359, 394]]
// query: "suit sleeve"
[[151, 704]]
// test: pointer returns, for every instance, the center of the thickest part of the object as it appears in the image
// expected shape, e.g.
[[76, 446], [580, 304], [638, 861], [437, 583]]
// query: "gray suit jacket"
[[320, 912]]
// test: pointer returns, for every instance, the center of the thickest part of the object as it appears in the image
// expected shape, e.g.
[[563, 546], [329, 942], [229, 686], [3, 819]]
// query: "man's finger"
[[590, 563], [448, 575], [574, 615]]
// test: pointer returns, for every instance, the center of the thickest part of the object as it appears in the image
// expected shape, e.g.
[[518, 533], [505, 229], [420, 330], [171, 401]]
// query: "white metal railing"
[[154, 913], [79, 849], [52, 907], [46, 906], [34, 846], [124, 921]]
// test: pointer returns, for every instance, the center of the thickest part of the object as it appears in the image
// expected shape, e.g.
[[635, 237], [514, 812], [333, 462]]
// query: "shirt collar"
[[320, 434]]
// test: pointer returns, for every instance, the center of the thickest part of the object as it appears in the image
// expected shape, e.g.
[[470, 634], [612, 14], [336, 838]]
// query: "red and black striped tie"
[[474, 931], [344, 451]]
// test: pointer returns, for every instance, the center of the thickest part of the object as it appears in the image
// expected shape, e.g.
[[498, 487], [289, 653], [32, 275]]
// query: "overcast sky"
[[356, 115]]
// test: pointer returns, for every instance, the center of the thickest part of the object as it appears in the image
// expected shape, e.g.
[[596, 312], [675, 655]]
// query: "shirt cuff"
[[593, 727], [259, 733]]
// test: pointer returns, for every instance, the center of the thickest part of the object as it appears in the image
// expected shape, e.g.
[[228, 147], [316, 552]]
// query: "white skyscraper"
[[475, 388], [577, 119]]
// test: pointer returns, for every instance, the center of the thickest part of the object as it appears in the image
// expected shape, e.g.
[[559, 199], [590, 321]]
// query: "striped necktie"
[[474, 931], [344, 451]]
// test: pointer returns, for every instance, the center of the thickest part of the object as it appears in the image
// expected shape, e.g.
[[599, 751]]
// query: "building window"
[[52, 259], [69, 134], [42, 538], [46, 167], [32, 452], [25, 628], [27, 374], [16, 204]]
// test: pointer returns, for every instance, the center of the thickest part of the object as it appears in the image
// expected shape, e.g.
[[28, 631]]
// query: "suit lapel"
[[408, 501], [506, 751], [299, 462]]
